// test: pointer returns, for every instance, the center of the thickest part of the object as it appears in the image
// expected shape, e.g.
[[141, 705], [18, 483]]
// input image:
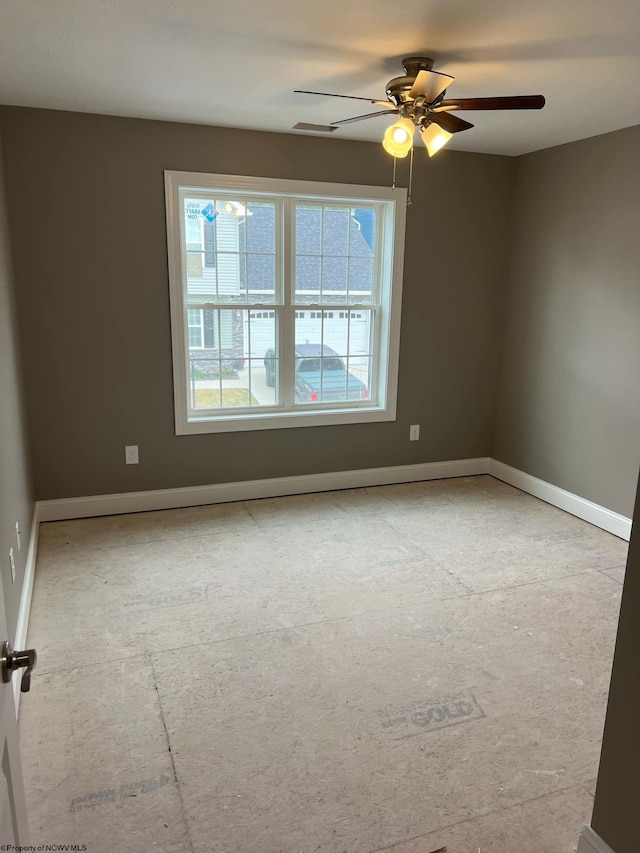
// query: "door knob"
[[11, 660]]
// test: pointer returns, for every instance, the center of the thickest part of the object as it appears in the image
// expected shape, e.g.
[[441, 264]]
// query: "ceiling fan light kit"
[[434, 137], [418, 98], [398, 138]]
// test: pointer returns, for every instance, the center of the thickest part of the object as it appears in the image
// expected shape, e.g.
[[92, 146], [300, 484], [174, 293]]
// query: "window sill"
[[280, 420]]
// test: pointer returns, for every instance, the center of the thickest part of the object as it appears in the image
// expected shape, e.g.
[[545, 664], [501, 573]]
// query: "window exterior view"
[[282, 302]]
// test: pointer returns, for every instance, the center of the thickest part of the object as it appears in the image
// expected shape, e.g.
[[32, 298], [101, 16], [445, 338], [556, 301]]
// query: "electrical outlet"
[[414, 432], [18, 537], [13, 566], [131, 454]]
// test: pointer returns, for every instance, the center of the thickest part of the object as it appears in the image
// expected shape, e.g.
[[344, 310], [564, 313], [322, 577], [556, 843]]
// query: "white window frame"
[[390, 235]]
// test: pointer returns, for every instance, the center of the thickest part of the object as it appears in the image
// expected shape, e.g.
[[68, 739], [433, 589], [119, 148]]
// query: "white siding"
[[228, 241], [226, 273]]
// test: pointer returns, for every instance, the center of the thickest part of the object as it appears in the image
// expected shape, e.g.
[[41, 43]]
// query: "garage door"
[[308, 331]]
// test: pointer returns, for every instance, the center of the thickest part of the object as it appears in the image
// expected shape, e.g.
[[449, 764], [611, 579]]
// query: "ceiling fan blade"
[[352, 97], [451, 123], [430, 84], [519, 102], [362, 118]]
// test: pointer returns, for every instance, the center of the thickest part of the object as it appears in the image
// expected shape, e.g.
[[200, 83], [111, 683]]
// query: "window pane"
[[332, 356], [363, 231], [261, 278], [308, 328], [307, 281], [230, 270], [195, 265], [361, 327], [193, 222], [209, 236], [262, 373], [230, 246], [360, 280], [209, 327], [361, 367], [261, 227], [200, 275], [308, 229], [334, 248], [260, 332], [335, 230], [260, 231], [345, 332], [232, 357], [334, 279], [262, 369], [194, 322]]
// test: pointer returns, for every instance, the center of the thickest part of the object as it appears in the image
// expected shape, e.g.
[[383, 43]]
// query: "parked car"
[[320, 375]]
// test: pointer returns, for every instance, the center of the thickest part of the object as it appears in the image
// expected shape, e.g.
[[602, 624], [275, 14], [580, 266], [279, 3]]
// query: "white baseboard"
[[590, 842], [608, 520], [20, 640], [57, 510], [117, 504]]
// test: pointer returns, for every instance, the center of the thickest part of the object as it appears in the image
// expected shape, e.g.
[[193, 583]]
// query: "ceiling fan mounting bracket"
[[413, 64], [399, 88]]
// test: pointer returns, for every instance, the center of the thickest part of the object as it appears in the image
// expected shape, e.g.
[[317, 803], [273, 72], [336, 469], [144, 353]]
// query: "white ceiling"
[[236, 63]]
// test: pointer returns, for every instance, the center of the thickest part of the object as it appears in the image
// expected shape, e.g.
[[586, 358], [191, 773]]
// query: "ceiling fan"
[[418, 98]]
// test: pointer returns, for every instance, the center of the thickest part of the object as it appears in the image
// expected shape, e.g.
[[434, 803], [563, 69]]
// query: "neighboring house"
[[230, 255]]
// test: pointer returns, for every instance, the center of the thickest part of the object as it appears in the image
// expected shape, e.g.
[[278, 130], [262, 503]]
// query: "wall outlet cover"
[[131, 454]]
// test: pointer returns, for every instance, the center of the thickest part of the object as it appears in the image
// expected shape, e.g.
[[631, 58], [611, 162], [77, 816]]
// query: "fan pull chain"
[[393, 185], [410, 177]]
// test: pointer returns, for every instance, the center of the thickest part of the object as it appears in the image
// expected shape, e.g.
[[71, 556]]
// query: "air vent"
[[319, 128]]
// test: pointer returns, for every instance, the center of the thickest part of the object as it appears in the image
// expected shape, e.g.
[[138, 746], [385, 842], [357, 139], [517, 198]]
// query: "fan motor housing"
[[399, 87], [413, 64]]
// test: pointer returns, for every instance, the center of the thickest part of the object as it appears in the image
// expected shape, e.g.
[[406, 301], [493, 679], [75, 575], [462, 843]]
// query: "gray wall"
[[615, 811], [569, 399], [87, 214], [16, 501]]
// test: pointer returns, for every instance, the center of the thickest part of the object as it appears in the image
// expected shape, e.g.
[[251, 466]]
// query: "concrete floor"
[[395, 668]]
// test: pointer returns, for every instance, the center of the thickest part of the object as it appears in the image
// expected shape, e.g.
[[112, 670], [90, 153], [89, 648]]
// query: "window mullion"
[[286, 332], [374, 343], [321, 282], [348, 282], [218, 347], [249, 359], [216, 267], [347, 353], [376, 295], [375, 334]]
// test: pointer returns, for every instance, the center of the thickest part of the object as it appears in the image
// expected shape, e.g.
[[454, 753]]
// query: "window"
[[285, 301]]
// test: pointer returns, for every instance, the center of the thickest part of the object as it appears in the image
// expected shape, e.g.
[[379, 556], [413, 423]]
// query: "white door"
[[13, 812]]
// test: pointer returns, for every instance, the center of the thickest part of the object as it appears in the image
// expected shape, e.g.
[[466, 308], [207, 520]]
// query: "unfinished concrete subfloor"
[[396, 668]]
